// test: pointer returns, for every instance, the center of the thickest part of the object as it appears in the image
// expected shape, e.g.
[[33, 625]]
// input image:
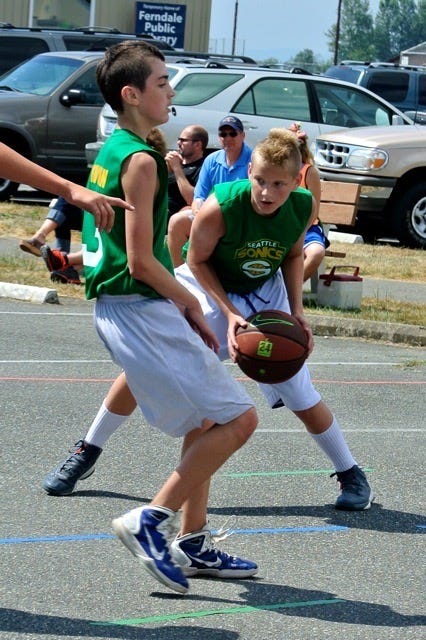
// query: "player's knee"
[[246, 425]]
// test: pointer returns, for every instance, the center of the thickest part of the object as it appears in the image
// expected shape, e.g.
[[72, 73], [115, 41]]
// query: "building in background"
[[121, 14], [415, 55]]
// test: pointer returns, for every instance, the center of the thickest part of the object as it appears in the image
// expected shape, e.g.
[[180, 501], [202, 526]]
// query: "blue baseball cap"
[[233, 122]]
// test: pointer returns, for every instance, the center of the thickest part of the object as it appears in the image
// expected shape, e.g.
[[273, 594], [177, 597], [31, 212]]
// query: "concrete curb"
[[28, 293], [412, 335]]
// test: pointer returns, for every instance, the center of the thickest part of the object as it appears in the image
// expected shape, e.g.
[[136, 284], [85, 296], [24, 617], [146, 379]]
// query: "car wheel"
[[409, 217], [7, 189]]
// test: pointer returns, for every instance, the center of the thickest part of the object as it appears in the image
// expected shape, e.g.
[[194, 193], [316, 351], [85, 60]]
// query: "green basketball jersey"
[[104, 254], [254, 246]]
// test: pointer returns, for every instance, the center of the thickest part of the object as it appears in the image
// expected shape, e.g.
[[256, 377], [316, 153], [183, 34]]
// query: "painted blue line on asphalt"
[[108, 536], [328, 528], [75, 538]]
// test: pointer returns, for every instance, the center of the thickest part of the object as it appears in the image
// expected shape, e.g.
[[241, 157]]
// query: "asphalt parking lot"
[[323, 573]]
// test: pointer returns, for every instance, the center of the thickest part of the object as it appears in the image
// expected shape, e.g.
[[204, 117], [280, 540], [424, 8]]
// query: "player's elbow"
[[138, 270]]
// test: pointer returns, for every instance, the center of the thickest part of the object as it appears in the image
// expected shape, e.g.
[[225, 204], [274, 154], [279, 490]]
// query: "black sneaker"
[[356, 493], [78, 466], [54, 259], [67, 275]]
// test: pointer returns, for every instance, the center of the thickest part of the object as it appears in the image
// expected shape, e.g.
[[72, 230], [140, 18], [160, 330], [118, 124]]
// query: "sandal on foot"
[[31, 246]]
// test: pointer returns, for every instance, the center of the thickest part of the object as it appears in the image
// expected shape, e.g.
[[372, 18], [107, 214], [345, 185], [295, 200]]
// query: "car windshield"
[[196, 88], [344, 73], [40, 75], [172, 71]]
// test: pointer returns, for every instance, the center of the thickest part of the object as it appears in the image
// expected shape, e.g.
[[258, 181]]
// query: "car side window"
[[422, 90], [346, 107], [390, 85], [88, 85], [276, 98], [14, 50], [196, 88]]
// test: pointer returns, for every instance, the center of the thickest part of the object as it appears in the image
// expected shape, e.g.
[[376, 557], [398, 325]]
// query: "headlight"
[[367, 159], [105, 127]]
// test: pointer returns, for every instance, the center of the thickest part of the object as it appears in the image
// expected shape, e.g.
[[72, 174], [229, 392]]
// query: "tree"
[[398, 26], [269, 62], [306, 56], [356, 32], [421, 10]]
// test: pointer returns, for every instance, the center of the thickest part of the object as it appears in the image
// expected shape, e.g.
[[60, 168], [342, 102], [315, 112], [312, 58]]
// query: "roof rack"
[[363, 62], [88, 29], [300, 70], [8, 25], [214, 56], [382, 65], [396, 65]]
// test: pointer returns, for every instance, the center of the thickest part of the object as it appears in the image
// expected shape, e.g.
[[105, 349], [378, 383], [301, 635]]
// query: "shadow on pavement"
[[375, 519]]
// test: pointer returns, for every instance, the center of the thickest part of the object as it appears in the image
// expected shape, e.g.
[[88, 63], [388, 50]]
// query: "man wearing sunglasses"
[[225, 165], [184, 166]]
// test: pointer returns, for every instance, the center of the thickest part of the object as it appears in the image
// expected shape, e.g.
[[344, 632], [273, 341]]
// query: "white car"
[[263, 98]]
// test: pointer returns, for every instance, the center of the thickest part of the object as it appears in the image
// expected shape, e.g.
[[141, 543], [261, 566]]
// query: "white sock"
[[334, 446], [103, 426]]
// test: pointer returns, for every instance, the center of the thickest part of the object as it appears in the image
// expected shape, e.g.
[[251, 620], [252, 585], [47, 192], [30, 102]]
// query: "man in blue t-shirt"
[[229, 163], [225, 165]]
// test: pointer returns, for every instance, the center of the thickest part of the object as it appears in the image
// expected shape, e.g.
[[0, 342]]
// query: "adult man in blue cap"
[[225, 165]]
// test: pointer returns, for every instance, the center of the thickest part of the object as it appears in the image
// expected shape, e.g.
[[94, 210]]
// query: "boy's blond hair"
[[281, 149]]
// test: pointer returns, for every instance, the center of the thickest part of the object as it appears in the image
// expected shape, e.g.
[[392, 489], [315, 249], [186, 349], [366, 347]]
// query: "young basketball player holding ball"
[[246, 256]]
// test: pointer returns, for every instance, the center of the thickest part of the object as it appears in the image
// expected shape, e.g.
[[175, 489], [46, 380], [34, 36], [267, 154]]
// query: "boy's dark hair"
[[127, 62]]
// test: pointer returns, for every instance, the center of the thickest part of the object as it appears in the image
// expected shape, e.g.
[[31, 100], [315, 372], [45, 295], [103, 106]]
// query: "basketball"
[[272, 348]]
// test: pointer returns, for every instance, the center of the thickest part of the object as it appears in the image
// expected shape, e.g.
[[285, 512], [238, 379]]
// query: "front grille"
[[331, 154]]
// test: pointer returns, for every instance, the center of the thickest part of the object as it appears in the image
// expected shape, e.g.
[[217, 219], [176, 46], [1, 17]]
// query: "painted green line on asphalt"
[[296, 472], [215, 612]]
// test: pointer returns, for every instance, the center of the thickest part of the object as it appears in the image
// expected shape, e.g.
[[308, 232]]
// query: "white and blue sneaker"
[[146, 532], [197, 555]]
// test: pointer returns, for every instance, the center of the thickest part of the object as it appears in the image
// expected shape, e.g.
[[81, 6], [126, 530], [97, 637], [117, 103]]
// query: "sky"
[[274, 28]]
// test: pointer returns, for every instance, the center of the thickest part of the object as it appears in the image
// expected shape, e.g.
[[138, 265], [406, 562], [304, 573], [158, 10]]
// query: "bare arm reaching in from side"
[[14, 166]]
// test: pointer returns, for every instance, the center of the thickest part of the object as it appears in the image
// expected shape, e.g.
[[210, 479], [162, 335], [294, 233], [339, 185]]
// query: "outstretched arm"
[[16, 167]]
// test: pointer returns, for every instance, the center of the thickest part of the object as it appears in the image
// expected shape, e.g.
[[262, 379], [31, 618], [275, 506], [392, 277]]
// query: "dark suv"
[[49, 106], [18, 44], [402, 86]]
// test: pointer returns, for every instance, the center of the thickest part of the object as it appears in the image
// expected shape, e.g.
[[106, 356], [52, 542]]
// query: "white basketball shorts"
[[176, 379], [298, 393]]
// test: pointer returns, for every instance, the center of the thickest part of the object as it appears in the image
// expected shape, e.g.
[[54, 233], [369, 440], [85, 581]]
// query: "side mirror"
[[72, 97]]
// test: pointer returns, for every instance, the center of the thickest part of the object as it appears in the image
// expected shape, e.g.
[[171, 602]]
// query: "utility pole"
[[234, 34], [336, 42]]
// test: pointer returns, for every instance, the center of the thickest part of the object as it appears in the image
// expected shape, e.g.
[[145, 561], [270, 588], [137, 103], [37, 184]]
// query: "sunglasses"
[[225, 134], [186, 140]]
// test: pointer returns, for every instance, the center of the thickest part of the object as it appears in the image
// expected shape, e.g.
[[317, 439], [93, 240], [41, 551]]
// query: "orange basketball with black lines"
[[273, 346]]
